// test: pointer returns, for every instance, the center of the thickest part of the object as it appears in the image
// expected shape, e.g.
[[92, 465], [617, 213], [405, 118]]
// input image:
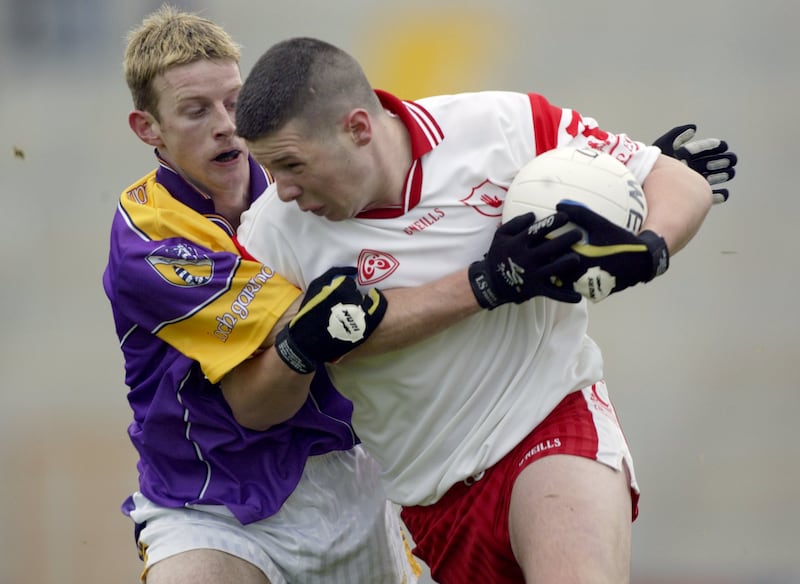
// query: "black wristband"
[[481, 286], [291, 354], [658, 252]]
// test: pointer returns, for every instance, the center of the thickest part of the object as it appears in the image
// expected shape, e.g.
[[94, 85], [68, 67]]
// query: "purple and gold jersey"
[[188, 308]]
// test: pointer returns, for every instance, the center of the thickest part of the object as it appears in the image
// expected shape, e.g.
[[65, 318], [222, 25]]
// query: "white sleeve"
[[578, 131], [261, 235]]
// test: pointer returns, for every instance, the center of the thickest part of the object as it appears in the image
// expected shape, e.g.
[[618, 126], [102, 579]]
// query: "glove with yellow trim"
[[334, 318], [612, 258]]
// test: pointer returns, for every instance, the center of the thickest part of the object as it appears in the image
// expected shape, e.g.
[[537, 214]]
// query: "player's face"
[[196, 129], [327, 175]]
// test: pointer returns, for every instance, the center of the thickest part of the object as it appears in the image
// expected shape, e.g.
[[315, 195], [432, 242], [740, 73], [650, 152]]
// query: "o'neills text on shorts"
[[541, 447]]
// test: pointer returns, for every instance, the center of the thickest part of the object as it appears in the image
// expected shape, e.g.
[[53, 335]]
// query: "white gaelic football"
[[581, 175], [588, 177]]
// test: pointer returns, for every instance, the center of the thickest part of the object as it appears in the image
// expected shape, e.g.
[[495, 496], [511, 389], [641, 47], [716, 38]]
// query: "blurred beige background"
[[700, 362]]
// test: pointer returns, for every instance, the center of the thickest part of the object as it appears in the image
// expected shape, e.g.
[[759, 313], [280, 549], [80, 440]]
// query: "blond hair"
[[168, 38]]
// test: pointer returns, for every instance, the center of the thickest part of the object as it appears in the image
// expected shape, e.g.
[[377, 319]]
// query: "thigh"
[[342, 527], [570, 521], [337, 526], [204, 566], [193, 545], [489, 530]]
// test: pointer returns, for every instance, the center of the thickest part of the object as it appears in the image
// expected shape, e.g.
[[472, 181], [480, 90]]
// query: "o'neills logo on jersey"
[[424, 222], [487, 199], [182, 265], [374, 266]]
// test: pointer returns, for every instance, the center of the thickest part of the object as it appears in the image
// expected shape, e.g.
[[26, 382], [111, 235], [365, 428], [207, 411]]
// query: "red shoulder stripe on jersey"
[[546, 118]]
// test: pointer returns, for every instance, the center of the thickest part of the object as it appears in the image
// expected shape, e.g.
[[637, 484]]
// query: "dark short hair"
[[302, 78]]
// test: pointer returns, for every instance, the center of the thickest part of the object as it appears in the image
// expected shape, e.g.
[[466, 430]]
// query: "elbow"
[[265, 411], [267, 414], [251, 422], [263, 392]]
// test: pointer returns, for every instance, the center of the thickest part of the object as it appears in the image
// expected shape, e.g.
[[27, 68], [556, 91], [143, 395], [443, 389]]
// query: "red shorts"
[[464, 536]]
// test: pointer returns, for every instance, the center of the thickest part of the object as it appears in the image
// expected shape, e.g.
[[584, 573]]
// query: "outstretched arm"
[[677, 202]]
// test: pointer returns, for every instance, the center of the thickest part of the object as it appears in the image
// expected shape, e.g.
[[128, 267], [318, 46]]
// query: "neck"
[[229, 202], [231, 205], [397, 158]]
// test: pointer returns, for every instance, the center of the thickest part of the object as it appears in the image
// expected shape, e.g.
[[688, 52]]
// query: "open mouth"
[[227, 156]]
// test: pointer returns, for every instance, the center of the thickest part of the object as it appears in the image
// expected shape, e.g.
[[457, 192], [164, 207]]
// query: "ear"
[[146, 127], [359, 125]]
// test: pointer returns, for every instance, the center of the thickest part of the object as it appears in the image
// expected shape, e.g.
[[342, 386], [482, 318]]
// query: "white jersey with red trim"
[[450, 406]]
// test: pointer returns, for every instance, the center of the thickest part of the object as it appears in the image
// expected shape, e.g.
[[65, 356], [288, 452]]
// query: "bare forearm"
[[263, 391], [414, 314], [678, 200]]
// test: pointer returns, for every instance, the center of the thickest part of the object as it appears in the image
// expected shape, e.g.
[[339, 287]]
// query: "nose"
[[224, 121], [288, 191]]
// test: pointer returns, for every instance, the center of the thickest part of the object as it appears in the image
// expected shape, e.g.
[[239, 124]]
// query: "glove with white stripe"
[[522, 262], [708, 156], [611, 257], [334, 318]]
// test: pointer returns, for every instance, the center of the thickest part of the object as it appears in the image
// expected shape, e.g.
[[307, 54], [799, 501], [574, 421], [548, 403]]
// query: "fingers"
[[327, 279], [548, 224], [562, 294], [331, 274], [720, 166], [558, 277], [337, 271], [720, 196], [715, 178], [556, 244], [518, 224], [340, 289], [705, 146], [675, 138], [582, 215], [683, 134]]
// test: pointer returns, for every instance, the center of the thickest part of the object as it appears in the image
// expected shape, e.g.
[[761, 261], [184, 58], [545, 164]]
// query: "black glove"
[[334, 318], [612, 258], [709, 156], [523, 262]]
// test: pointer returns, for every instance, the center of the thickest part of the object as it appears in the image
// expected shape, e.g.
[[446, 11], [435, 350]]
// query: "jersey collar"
[[425, 135], [201, 202]]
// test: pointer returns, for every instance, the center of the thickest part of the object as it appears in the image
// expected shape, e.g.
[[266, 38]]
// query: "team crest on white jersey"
[[487, 199], [374, 266], [182, 265]]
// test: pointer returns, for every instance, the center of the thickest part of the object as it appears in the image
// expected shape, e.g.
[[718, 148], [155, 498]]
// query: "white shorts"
[[337, 526]]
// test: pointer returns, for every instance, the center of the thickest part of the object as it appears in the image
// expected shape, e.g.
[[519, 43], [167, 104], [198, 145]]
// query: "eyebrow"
[[284, 158]]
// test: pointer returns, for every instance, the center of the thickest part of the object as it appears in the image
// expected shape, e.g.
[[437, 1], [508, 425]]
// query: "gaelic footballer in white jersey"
[[443, 410]]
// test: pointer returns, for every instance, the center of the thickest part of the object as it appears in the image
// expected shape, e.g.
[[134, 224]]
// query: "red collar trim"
[[425, 135]]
